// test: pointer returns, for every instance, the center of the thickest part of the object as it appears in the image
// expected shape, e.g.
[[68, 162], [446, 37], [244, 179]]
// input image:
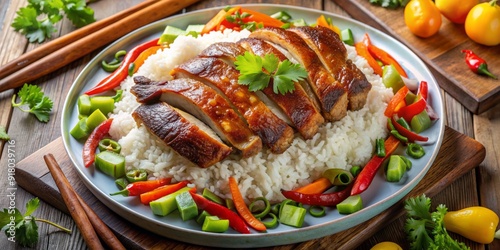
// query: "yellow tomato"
[[482, 24], [456, 11], [422, 18], [386, 245]]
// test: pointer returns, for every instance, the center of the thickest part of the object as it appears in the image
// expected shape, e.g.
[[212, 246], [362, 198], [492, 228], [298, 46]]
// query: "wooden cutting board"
[[457, 155], [441, 53]]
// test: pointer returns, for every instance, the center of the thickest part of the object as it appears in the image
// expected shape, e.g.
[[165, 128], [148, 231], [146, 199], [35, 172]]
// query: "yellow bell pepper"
[[475, 223]]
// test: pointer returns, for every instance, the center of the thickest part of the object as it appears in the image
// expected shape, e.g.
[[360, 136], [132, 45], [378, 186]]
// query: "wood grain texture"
[[449, 165], [441, 52]]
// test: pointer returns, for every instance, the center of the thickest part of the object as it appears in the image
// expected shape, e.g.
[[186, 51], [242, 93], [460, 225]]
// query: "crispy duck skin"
[[299, 108], [333, 54], [205, 104], [224, 50], [274, 132], [182, 133], [331, 94]]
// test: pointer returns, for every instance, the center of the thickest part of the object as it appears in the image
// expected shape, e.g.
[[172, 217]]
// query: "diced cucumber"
[[391, 78], [420, 122], [80, 130], [94, 119], [395, 169], [212, 197], [111, 163], [299, 22], [166, 204], [104, 103], [194, 29], [170, 34], [350, 205], [201, 217], [347, 37], [186, 206], [292, 215], [215, 225], [84, 105]]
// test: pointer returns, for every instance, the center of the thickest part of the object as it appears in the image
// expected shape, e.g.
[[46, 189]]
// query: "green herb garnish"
[[426, 230], [36, 21], [22, 228], [256, 72], [39, 104]]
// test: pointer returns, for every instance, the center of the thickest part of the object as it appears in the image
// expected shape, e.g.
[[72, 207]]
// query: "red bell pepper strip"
[[362, 50], [383, 56], [316, 187], [407, 133], [139, 187], [365, 177], [159, 192], [92, 142], [396, 101], [423, 90], [477, 64], [409, 111], [217, 20], [114, 79], [235, 221], [241, 207], [327, 199]]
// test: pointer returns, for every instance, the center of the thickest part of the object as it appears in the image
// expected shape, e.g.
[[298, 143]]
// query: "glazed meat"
[[226, 51], [205, 104], [331, 94], [299, 108], [186, 135], [333, 54], [274, 132]]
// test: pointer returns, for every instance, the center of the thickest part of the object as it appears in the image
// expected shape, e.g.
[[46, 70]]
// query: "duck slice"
[[297, 105], [333, 54], [185, 134], [205, 104], [274, 132], [331, 94]]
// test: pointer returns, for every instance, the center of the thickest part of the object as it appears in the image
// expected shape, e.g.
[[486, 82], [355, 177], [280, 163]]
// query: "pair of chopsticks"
[[87, 221], [66, 49]]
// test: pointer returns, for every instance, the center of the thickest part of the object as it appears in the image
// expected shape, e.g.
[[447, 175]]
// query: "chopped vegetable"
[[22, 228], [356, 169], [121, 183], [396, 102], [216, 21], [292, 215], [80, 130], [350, 205], [111, 163], [215, 225], [365, 177], [362, 50], [38, 104], [327, 22], [391, 78], [105, 104], [114, 79], [94, 119], [187, 207], [316, 187], [256, 72], [110, 145], [270, 224], [84, 105], [338, 177], [380, 147], [235, 221], [115, 63], [92, 142], [383, 56], [201, 217], [347, 37], [420, 122], [136, 175], [477, 64], [262, 212], [414, 150], [167, 204], [317, 211], [395, 169], [475, 223], [170, 34], [427, 230], [212, 196], [139, 187], [242, 208], [325, 199], [161, 191], [37, 20], [411, 136], [282, 16]]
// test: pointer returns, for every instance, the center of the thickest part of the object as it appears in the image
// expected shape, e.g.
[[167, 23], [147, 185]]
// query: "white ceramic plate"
[[376, 199]]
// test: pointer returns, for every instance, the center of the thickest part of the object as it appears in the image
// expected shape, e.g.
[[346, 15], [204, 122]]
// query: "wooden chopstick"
[[49, 47], [89, 43], [75, 208]]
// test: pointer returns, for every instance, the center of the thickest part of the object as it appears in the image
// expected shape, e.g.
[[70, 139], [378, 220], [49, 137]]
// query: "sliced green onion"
[[317, 211], [338, 177], [390, 125], [380, 147], [420, 122], [407, 162], [403, 123], [398, 136], [355, 170], [415, 150], [263, 212], [286, 202], [270, 224], [275, 208]]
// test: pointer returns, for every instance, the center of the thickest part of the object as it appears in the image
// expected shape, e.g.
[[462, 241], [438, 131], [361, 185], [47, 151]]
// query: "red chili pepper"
[[396, 101], [140, 187], [407, 133], [423, 89], [477, 64], [114, 79], [365, 177], [157, 193], [362, 50], [235, 221], [383, 56], [328, 199], [92, 142]]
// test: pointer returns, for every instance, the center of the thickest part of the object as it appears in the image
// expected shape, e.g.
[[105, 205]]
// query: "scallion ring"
[[415, 150], [355, 170], [317, 211], [270, 224], [338, 177], [263, 212]]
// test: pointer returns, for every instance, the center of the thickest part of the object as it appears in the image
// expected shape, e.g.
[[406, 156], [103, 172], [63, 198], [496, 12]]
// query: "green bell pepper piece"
[[110, 145], [166, 204], [391, 78], [350, 205], [213, 197], [395, 169], [186, 206], [420, 122], [111, 163], [104, 103], [80, 130], [84, 105], [347, 37], [201, 217], [215, 225], [94, 119], [292, 215]]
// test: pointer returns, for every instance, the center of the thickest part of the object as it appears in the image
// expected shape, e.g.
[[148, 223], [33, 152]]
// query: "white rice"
[[340, 144]]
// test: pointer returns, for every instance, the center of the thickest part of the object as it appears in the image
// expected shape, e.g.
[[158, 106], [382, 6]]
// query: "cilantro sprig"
[[37, 20], [22, 228], [426, 229], [257, 72], [39, 104]]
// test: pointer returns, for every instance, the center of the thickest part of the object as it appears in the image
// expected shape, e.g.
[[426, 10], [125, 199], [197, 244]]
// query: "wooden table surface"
[[478, 187]]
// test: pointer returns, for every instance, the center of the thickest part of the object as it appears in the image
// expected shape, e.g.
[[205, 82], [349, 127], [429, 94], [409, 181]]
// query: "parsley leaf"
[[39, 104], [3, 134], [23, 228], [37, 20], [256, 72]]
